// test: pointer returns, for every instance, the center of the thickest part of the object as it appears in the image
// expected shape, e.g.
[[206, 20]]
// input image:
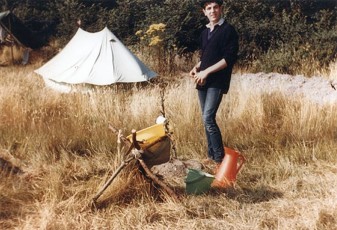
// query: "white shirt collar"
[[220, 22]]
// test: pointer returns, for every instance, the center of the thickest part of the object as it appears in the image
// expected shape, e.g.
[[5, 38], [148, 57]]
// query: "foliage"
[[267, 27], [274, 35]]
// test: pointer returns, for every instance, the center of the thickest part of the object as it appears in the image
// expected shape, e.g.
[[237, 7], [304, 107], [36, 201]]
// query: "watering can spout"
[[229, 168]]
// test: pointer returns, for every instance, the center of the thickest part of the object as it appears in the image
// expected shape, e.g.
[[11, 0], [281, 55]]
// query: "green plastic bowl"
[[198, 182]]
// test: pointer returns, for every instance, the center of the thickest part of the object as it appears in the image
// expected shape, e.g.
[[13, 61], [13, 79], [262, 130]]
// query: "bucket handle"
[[242, 160]]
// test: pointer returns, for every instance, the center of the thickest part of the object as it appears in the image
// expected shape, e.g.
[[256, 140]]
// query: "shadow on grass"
[[249, 195]]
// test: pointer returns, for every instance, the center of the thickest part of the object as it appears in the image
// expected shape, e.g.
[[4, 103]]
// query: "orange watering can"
[[229, 168]]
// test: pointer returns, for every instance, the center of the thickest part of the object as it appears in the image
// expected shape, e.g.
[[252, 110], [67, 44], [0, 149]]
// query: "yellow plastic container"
[[149, 135], [155, 143]]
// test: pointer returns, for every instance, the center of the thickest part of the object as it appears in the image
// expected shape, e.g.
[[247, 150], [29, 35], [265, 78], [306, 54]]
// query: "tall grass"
[[10, 55], [333, 71], [64, 144]]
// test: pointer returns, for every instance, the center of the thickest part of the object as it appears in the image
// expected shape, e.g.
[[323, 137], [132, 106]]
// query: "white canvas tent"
[[93, 58]]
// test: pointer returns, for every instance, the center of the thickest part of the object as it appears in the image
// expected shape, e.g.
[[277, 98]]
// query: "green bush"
[[281, 36], [274, 35]]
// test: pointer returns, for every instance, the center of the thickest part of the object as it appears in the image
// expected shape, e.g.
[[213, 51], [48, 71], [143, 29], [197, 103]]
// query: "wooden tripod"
[[134, 152]]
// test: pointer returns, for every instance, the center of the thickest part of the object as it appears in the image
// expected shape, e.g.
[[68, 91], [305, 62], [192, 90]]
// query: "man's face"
[[213, 12]]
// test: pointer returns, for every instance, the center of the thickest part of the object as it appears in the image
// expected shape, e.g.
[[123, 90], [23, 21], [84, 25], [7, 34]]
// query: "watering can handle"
[[242, 160]]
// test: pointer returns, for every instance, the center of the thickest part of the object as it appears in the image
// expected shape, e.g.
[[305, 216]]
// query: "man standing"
[[212, 74]]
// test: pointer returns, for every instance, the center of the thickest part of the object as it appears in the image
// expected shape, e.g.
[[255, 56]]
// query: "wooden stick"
[[157, 181], [106, 185], [125, 140], [119, 142], [134, 139]]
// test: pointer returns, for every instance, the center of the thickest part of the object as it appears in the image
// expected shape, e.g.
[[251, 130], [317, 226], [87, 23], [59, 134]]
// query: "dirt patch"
[[175, 171], [319, 90]]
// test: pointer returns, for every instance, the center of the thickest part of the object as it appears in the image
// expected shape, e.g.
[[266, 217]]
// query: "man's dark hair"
[[203, 2]]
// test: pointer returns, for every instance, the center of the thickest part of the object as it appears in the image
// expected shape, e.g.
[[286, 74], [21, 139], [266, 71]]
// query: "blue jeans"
[[210, 100]]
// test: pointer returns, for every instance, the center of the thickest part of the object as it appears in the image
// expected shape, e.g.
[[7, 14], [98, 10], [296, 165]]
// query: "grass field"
[[64, 146]]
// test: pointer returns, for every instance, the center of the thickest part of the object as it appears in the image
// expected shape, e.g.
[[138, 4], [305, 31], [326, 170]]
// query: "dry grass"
[[333, 71], [67, 151], [10, 55], [329, 73]]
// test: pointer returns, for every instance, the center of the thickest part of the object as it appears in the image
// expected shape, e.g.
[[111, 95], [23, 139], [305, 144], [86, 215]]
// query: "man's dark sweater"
[[221, 43]]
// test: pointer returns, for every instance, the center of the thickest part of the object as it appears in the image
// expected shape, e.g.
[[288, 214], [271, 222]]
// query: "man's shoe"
[[216, 168], [207, 162]]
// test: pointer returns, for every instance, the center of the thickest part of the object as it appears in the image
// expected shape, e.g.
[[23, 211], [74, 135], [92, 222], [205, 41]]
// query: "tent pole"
[[12, 54], [10, 29], [6, 4]]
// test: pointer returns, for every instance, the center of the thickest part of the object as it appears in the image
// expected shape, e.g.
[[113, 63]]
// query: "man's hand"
[[194, 71], [200, 77]]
